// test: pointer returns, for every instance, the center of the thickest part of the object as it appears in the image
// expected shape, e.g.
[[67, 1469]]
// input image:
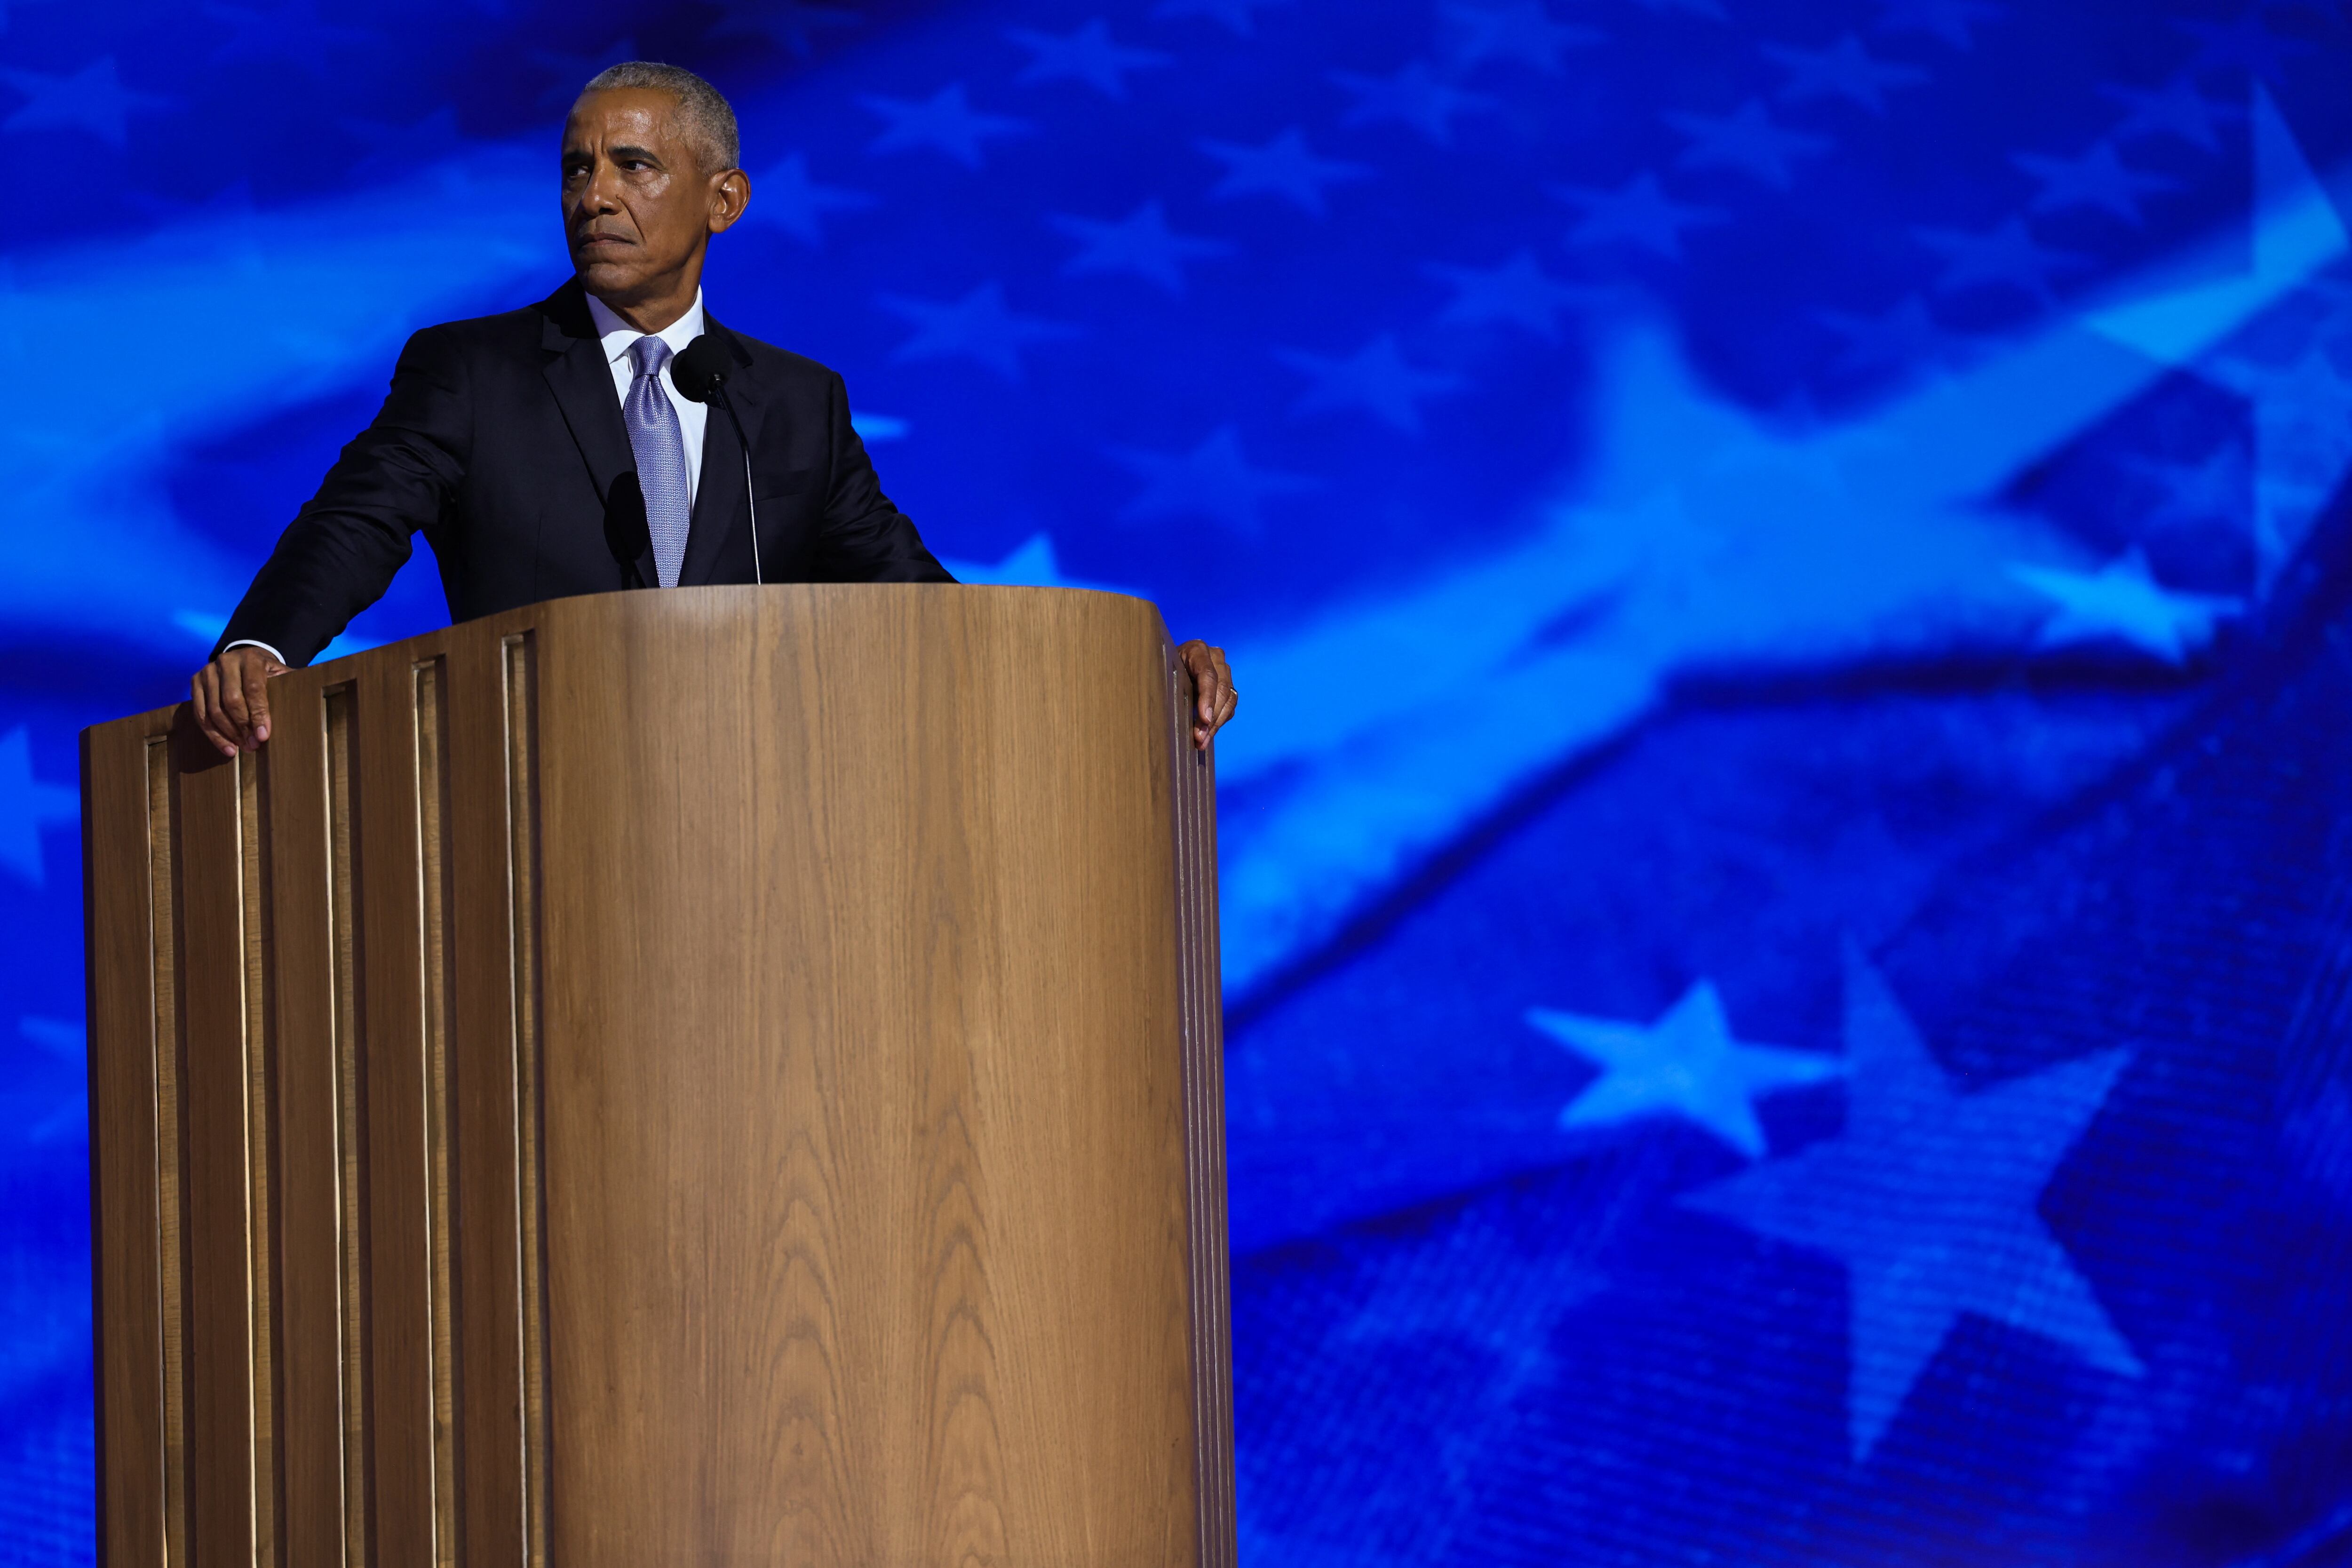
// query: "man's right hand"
[[232, 697]]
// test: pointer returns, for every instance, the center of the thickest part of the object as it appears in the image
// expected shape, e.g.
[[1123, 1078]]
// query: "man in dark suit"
[[509, 440]]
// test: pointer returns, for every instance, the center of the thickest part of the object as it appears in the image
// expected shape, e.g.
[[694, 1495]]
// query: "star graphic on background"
[[1904, 336], [1414, 96], [785, 23], [1748, 140], [290, 30], [93, 98], [1031, 564], [2303, 441], [1142, 243], [1087, 55], [1953, 21], [2245, 44], [1928, 1197], [1521, 30], [2097, 179], [1520, 292], [945, 120], [2218, 487], [2123, 602], [979, 326], [1238, 14], [2005, 256], [1214, 480], [796, 204], [1686, 1065], [27, 805], [571, 72], [1638, 213], [1482, 1283], [1845, 70], [394, 151], [2177, 109], [1375, 378], [1284, 167]]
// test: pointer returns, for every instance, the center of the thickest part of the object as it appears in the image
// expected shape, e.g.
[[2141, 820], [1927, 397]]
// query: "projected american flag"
[[1785, 898]]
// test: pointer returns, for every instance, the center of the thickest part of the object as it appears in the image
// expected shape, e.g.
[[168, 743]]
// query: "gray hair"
[[705, 119]]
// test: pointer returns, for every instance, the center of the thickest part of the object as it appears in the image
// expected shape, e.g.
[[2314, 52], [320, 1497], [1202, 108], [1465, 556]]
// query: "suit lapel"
[[718, 540], [582, 380]]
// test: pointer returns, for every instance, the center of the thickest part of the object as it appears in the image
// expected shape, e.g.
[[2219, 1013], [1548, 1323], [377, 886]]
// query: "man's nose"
[[602, 194]]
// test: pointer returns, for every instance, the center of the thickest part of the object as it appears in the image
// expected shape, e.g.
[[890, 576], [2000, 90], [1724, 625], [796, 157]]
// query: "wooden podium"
[[718, 1077]]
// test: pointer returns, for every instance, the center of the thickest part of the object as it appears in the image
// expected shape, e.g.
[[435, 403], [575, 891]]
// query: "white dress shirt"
[[616, 335]]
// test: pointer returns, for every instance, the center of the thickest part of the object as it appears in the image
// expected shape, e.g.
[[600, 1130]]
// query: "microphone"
[[698, 371], [625, 534]]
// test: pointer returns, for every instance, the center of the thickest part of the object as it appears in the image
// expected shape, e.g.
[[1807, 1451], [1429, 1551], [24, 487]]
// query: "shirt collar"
[[616, 335]]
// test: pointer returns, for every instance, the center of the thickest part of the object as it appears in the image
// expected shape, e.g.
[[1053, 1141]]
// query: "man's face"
[[636, 209]]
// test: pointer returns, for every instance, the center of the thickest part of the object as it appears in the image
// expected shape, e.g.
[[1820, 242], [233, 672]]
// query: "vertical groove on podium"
[[350, 1123], [171, 1167], [433, 870], [1192, 805], [260, 1164], [517, 666]]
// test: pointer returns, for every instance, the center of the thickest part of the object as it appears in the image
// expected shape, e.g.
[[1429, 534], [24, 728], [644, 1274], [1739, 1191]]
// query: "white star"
[[1285, 166], [1639, 213], [1929, 1197], [786, 197], [2177, 109], [1238, 14], [2123, 602], [1520, 30], [93, 98], [1031, 564], [945, 120], [1953, 21], [1748, 140], [787, 23], [978, 326], [1214, 480], [27, 805], [2303, 443], [1088, 54], [1414, 96], [1142, 243], [1375, 378], [1518, 291], [2097, 179], [1686, 1064], [1845, 70]]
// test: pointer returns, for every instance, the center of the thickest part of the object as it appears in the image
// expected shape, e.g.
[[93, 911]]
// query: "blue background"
[[1788, 910]]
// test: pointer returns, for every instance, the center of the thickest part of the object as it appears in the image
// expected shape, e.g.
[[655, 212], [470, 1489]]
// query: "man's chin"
[[603, 275]]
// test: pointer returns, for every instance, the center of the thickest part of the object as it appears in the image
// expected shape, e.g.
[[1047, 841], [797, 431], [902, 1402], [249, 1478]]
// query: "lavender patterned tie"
[[654, 436]]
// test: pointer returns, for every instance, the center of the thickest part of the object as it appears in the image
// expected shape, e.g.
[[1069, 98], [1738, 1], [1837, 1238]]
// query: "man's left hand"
[[1213, 697]]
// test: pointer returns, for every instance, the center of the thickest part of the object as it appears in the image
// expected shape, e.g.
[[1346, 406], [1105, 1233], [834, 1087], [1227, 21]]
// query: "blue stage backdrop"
[[1788, 892]]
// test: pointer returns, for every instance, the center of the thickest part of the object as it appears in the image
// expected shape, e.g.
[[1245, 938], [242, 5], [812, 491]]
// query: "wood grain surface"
[[722, 1077]]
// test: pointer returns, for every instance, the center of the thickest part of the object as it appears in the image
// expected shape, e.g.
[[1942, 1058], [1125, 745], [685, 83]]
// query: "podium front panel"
[[718, 1076]]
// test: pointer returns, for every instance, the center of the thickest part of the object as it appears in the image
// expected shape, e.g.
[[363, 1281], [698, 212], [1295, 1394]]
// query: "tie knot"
[[651, 354]]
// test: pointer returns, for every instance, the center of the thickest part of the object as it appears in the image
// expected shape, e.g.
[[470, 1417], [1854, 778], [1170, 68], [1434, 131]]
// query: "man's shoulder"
[[782, 368]]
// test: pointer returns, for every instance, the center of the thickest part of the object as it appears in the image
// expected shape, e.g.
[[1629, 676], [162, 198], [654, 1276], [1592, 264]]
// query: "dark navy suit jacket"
[[501, 440]]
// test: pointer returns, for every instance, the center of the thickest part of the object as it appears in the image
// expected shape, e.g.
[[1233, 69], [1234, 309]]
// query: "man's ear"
[[728, 196]]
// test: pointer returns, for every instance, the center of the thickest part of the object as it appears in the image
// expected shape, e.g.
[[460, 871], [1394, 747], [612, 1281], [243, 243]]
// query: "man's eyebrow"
[[647, 153]]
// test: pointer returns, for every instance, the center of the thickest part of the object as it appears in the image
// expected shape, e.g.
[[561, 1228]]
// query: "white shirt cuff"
[[249, 642]]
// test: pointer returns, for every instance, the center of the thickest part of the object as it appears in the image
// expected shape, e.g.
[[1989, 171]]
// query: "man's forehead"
[[641, 114]]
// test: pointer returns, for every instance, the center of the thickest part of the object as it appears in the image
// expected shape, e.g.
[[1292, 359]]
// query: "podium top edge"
[[634, 610]]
